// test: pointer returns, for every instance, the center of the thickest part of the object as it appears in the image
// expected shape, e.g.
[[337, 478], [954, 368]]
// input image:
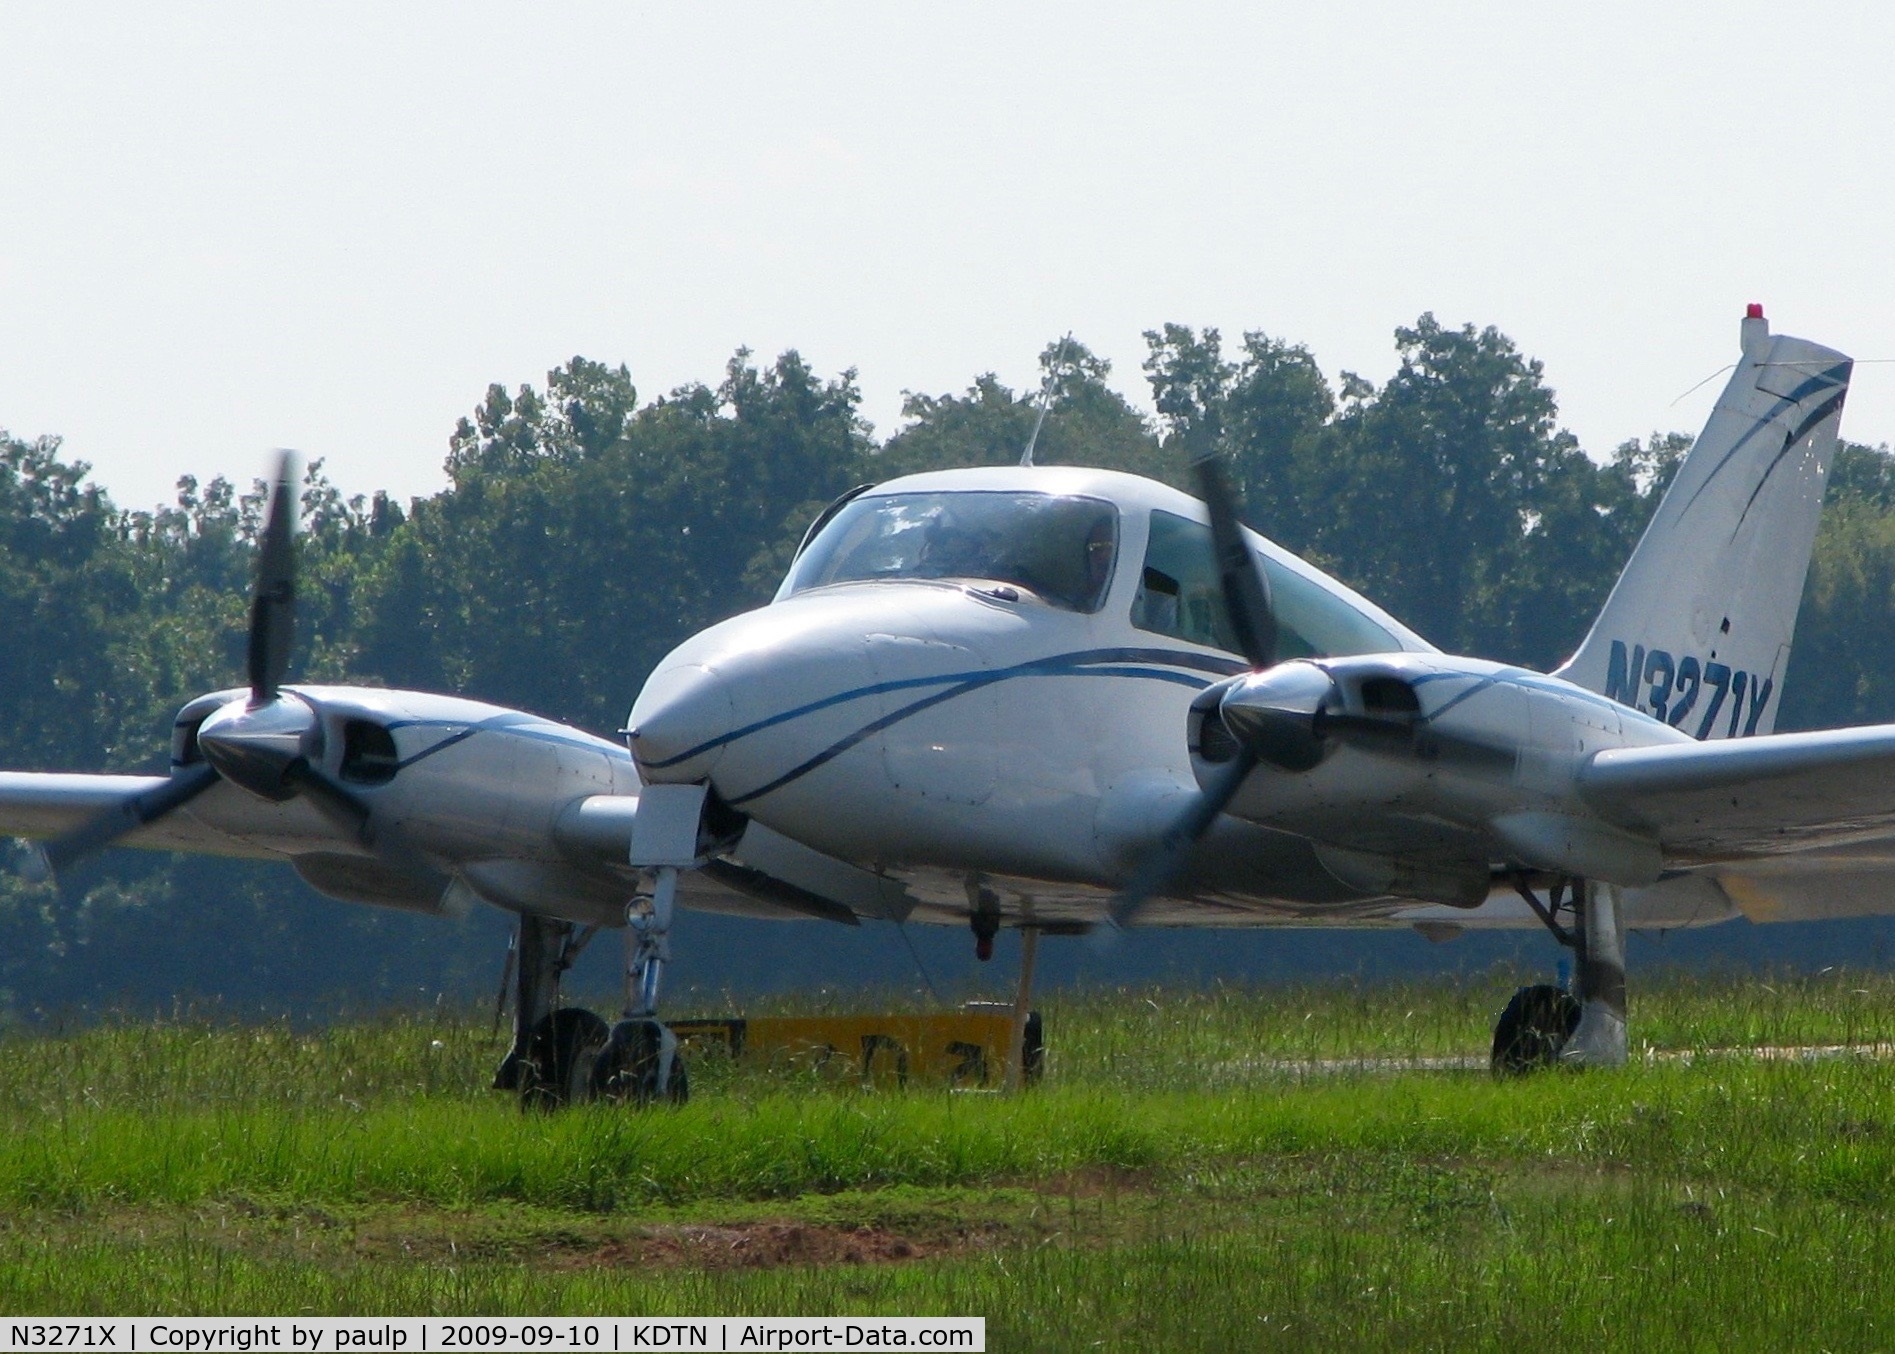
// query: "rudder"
[[1697, 630]]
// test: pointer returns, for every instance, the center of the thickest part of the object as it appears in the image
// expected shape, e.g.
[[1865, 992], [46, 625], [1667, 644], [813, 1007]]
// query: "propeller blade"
[[1246, 596], [1245, 591], [107, 826], [1167, 860], [272, 633], [273, 597]]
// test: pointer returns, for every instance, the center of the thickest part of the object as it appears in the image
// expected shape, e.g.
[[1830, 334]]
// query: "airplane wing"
[[772, 877], [1781, 795], [47, 804], [40, 805]]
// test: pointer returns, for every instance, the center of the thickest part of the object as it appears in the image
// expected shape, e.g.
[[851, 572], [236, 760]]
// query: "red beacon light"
[[1755, 329]]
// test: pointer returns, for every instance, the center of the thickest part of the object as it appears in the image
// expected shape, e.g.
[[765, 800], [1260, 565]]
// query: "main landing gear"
[[1543, 1025], [551, 1057], [562, 1055]]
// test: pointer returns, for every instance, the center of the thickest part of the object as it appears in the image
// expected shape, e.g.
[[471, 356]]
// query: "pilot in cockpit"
[[950, 549], [1061, 549]]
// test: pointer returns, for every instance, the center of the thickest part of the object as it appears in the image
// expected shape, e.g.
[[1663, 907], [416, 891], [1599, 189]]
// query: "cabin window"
[[368, 753], [1178, 596], [1059, 548], [1177, 590]]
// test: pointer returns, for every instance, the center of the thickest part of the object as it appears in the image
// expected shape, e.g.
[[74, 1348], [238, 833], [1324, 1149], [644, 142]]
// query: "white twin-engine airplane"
[[1064, 700]]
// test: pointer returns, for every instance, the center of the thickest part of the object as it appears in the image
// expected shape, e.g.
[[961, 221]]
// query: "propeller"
[[268, 743], [1281, 716], [1245, 592]]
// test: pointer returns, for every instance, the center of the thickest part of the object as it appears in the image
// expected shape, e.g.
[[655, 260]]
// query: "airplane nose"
[[679, 721]]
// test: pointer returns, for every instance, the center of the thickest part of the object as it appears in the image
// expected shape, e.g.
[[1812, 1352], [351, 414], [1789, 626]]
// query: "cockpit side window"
[[1177, 590], [1178, 596], [1061, 548]]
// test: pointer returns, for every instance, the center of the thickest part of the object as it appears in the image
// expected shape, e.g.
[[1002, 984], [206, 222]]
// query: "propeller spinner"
[[268, 743]]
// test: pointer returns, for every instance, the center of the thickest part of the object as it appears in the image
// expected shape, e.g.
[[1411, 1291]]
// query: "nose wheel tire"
[[640, 1065], [558, 1067], [1533, 1029]]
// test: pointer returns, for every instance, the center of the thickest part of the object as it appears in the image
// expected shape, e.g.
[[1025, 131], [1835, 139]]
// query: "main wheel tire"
[[558, 1067], [1533, 1029], [628, 1068]]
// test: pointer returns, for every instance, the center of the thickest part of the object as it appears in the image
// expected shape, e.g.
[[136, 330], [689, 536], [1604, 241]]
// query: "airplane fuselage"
[[968, 732]]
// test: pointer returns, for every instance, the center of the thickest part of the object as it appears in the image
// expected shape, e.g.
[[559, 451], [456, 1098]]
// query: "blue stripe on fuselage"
[[1073, 664], [842, 745]]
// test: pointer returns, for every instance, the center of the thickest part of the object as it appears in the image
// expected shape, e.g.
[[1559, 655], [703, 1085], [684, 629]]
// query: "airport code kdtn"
[[322, 1335]]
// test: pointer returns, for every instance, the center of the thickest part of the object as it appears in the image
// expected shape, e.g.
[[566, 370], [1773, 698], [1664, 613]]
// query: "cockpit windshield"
[[1061, 548]]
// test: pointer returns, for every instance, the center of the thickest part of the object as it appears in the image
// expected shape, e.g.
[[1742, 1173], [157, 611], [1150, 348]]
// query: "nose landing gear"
[[983, 918], [640, 1063]]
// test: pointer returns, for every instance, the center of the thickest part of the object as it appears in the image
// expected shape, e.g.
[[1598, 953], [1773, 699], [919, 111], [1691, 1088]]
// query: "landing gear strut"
[[551, 1058], [1017, 1070], [1543, 1025], [562, 1055], [640, 1063]]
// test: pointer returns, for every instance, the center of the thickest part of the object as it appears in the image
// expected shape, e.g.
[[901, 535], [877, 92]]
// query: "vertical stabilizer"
[[1697, 629]]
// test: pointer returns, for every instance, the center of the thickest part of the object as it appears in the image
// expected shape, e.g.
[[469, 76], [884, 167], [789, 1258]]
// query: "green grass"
[[1828, 1130], [1193, 1174]]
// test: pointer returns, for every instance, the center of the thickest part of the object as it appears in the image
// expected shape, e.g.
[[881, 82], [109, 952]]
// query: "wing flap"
[[1778, 794]]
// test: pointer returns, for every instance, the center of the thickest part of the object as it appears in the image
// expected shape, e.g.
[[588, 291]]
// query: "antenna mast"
[[1046, 399]]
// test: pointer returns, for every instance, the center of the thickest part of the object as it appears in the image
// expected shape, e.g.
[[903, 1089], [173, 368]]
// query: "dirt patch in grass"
[[759, 1245], [1094, 1207], [1090, 1182], [857, 1228]]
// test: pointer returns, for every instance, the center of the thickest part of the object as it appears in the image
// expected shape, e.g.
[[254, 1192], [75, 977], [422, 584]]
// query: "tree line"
[[583, 532]]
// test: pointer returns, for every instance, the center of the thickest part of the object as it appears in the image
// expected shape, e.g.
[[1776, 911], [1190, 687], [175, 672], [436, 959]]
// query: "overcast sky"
[[227, 228]]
